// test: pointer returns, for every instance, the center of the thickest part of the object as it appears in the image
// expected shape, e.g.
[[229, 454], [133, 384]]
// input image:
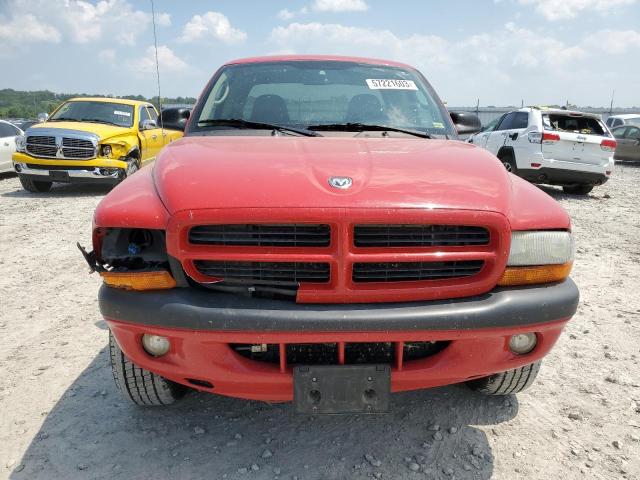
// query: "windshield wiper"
[[239, 123], [97, 120], [361, 127], [63, 119]]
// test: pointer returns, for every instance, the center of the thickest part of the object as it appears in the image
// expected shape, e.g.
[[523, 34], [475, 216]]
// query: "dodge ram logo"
[[341, 182]]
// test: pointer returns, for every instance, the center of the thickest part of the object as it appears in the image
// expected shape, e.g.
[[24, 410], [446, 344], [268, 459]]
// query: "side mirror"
[[466, 123], [148, 124], [175, 118]]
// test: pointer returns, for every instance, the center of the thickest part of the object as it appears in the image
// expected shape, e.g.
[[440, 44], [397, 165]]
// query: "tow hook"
[[91, 259]]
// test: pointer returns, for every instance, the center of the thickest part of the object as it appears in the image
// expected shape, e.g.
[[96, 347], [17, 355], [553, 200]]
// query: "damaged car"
[[319, 236]]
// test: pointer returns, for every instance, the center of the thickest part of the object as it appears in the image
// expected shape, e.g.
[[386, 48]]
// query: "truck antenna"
[[155, 46]]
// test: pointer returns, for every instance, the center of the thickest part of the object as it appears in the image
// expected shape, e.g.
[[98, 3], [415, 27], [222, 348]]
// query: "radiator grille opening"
[[328, 353], [414, 271], [265, 273], [262, 235], [419, 236]]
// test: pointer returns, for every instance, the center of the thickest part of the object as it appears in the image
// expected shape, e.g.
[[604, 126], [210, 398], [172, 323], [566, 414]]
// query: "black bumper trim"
[[74, 180], [558, 176], [192, 309]]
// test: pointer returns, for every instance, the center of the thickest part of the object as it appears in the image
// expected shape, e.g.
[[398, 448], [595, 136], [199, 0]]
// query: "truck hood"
[[101, 130], [285, 172]]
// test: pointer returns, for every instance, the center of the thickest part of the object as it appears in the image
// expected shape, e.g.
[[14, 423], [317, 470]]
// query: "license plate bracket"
[[334, 389], [59, 175]]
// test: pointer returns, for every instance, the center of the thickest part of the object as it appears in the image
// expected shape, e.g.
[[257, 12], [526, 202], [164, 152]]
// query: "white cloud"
[[213, 25], [614, 41], [25, 28], [163, 19], [83, 21], [285, 14], [108, 55], [510, 61], [563, 9], [168, 61], [504, 49], [340, 5]]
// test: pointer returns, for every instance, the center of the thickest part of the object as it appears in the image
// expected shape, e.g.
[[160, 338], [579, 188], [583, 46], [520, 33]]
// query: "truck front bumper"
[[109, 176], [202, 326], [95, 170]]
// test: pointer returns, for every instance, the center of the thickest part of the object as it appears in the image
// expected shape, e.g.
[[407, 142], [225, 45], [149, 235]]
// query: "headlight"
[[105, 151], [540, 248], [538, 257], [21, 143]]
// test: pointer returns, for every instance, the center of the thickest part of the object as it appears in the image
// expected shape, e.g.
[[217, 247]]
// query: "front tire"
[[34, 186], [133, 165], [141, 386], [577, 189], [507, 383]]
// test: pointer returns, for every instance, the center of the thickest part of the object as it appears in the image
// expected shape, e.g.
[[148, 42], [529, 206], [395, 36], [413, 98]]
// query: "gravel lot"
[[62, 417]]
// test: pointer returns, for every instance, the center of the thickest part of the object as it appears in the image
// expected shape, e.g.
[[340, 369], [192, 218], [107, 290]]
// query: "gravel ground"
[[62, 417]]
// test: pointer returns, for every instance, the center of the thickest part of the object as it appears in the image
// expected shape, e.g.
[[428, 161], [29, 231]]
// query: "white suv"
[[552, 146]]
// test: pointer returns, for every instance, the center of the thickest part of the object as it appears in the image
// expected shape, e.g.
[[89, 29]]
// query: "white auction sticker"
[[124, 114], [390, 84]]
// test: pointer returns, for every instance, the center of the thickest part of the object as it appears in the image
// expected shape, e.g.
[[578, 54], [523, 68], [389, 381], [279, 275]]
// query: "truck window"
[[153, 115], [144, 115]]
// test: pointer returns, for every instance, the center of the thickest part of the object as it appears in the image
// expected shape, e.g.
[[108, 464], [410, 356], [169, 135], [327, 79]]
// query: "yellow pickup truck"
[[92, 140]]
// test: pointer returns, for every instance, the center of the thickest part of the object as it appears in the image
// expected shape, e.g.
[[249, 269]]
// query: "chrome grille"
[[414, 271], [77, 148], [60, 147], [41, 146]]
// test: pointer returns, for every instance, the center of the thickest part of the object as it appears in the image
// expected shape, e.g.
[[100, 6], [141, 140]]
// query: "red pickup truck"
[[320, 236]]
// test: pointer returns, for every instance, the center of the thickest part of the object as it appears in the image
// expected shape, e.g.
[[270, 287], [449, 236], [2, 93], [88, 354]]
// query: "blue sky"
[[500, 51]]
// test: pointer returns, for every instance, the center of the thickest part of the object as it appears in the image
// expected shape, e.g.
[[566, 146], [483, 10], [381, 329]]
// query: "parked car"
[[90, 140], [8, 133], [553, 146], [628, 138], [618, 120], [318, 237]]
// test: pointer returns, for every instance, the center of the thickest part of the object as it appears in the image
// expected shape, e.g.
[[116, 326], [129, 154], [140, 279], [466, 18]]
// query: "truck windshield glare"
[[302, 94], [101, 112]]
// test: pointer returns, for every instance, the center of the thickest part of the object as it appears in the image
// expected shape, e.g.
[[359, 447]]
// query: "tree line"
[[28, 104]]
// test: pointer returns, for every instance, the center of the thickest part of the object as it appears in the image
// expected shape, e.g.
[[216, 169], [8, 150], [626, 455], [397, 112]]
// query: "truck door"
[[151, 135]]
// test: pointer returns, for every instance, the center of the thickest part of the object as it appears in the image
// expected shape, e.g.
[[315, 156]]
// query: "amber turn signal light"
[[535, 274], [159, 280]]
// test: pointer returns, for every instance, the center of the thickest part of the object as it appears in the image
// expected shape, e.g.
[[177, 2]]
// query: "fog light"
[[523, 343], [155, 344], [18, 167]]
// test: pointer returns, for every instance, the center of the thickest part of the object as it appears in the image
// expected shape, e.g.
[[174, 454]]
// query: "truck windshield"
[[99, 112], [319, 94]]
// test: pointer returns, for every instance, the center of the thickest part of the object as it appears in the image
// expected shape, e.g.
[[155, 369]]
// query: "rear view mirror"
[[175, 118], [148, 124], [466, 123]]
